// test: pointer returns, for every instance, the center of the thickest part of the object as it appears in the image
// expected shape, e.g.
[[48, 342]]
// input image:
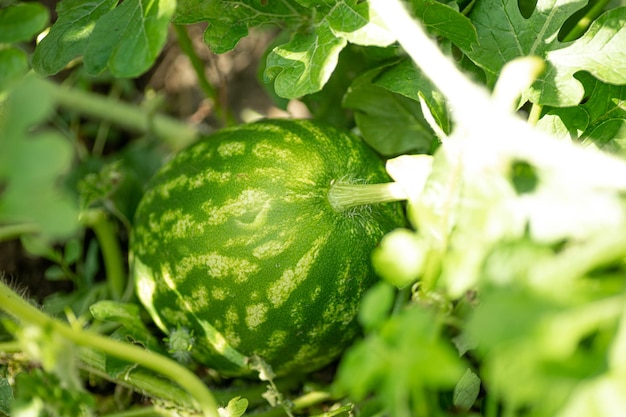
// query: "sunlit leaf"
[[127, 39], [504, 34]]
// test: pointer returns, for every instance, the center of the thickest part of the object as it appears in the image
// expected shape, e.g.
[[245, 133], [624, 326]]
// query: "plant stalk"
[[25, 312], [110, 248], [344, 196], [176, 134]]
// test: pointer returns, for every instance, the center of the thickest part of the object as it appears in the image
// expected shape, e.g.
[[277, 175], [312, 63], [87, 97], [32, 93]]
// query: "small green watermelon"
[[235, 241]]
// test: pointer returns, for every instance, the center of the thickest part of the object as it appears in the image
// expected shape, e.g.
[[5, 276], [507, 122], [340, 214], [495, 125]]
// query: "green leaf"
[[401, 361], [236, 407], [22, 21], [504, 34], [353, 21], [6, 396], [128, 39], [390, 123], [31, 165], [34, 397], [466, 390], [133, 330], [13, 65], [406, 79], [376, 305], [443, 20], [70, 34], [304, 64], [599, 120], [229, 21]]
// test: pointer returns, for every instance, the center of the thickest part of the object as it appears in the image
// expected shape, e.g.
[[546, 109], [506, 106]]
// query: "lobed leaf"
[[304, 64], [600, 120], [31, 164], [504, 34], [229, 21]]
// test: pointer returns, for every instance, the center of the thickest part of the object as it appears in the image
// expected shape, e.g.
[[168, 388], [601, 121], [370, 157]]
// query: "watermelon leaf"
[[599, 120], [391, 123], [21, 22], [31, 165], [443, 20], [504, 34], [13, 65], [69, 34], [127, 39]]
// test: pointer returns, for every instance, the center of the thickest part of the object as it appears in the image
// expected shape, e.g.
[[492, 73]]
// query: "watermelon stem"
[[343, 196]]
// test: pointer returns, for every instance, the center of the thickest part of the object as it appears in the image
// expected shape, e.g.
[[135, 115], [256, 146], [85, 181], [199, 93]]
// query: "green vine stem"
[[344, 196], [186, 46], [176, 134], [112, 256], [27, 313], [16, 230]]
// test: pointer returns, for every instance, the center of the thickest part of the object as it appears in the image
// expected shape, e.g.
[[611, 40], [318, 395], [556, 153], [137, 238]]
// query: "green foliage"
[[504, 295], [34, 161], [505, 34]]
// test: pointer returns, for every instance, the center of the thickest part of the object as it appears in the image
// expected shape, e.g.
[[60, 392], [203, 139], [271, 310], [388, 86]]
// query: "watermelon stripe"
[[236, 240]]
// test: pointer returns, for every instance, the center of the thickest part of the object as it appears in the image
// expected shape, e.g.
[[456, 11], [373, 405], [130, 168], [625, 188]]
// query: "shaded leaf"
[[229, 20], [69, 35], [390, 123], [22, 21], [13, 65], [406, 79], [31, 164]]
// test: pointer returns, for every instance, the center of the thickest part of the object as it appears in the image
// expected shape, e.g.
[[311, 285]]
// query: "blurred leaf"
[[31, 164], [22, 21], [34, 396], [537, 350], [400, 362], [400, 257], [504, 34], [69, 35], [127, 39], [604, 396], [376, 306], [236, 408], [13, 65]]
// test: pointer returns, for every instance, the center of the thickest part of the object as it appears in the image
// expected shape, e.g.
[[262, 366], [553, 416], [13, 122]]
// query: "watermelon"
[[236, 242]]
